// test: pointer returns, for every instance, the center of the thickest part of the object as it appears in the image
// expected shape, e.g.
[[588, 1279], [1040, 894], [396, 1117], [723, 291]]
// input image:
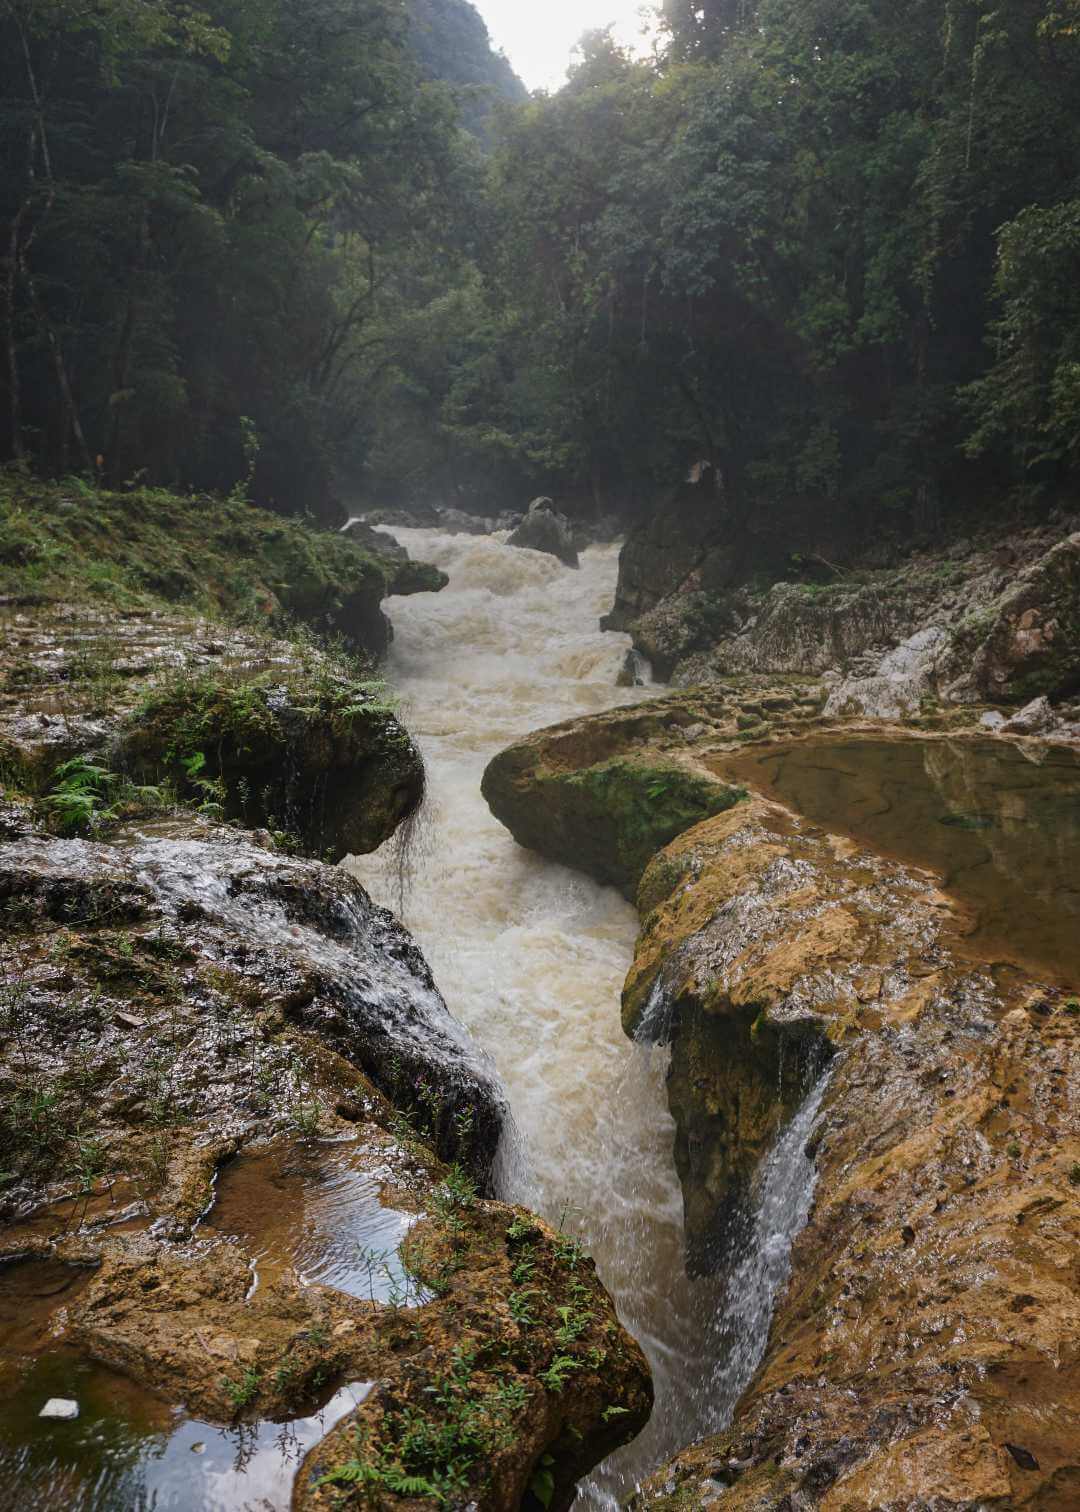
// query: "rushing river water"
[[531, 956]]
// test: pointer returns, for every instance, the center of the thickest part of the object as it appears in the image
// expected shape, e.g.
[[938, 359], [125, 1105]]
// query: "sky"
[[538, 36]]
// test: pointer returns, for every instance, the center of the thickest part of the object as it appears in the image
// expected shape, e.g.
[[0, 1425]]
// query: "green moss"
[[149, 548], [624, 811], [300, 750]]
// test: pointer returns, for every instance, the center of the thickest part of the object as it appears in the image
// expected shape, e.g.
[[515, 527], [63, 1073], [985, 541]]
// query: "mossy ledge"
[[147, 549], [219, 656]]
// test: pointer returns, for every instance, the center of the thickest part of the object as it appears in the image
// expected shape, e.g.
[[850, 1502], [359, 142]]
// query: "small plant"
[[559, 1371], [1074, 1174], [568, 1251], [79, 797], [1012, 1150], [542, 1484], [521, 1308], [525, 1265], [212, 789], [575, 1320], [243, 1392]]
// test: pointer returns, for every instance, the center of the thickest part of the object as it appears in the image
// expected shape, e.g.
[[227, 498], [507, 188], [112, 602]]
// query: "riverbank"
[[190, 993], [924, 1351]]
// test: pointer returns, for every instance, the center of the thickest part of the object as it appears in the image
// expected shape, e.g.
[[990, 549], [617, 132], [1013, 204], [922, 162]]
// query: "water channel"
[[531, 957]]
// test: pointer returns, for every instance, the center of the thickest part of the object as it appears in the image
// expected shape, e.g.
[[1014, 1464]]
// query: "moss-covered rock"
[[150, 708], [327, 763], [606, 815], [139, 551]]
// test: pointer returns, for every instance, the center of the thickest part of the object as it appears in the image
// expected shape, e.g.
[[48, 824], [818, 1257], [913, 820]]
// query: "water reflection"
[[128, 1452], [315, 1207], [999, 822]]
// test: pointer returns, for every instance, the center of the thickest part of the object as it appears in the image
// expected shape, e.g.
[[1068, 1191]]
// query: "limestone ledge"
[[926, 1352], [185, 995]]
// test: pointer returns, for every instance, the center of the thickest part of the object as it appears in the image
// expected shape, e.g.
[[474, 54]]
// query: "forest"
[[830, 247]]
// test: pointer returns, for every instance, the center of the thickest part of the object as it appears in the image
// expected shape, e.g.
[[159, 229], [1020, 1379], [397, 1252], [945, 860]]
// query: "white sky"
[[538, 36]]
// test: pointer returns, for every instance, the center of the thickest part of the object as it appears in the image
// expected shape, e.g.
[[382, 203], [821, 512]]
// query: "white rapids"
[[531, 956]]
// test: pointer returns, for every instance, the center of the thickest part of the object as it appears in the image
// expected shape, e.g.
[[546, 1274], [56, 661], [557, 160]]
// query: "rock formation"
[[924, 1351], [544, 529]]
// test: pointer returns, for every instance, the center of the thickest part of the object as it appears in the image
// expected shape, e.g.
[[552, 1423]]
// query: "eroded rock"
[[185, 994]]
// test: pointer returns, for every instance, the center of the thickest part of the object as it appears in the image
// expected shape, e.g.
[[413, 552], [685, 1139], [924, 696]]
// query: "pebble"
[[60, 1407]]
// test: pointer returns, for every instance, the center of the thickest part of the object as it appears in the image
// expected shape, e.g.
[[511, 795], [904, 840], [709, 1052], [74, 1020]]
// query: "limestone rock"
[[272, 993], [61, 1408], [1035, 718], [564, 793], [458, 522], [1032, 644], [905, 679], [544, 529]]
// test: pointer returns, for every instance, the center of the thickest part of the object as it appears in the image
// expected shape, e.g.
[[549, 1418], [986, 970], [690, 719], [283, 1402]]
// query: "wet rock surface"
[[931, 1317], [925, 1352], [183, 994], [545, 529]]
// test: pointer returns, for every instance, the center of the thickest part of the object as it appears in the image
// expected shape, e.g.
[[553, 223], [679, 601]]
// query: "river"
[[531, 956]]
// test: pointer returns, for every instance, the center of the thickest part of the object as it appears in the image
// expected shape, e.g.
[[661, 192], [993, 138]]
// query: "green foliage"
[[243, 1392], [84, 795]]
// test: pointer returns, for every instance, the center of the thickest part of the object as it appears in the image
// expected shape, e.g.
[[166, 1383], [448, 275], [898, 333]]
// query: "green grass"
[[66, 542]]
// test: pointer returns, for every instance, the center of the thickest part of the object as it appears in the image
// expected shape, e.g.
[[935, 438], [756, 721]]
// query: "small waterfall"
[[785, 1196]]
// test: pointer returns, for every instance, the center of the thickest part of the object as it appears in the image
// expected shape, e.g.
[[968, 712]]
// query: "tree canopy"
[[831, 247]]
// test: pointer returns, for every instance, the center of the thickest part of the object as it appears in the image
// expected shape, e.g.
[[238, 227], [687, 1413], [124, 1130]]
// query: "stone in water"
[[59, 1407]]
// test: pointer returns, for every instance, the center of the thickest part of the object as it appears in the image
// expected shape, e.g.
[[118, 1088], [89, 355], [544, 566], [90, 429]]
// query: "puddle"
[[127, 1452], [314, 1207], [1000, 823]]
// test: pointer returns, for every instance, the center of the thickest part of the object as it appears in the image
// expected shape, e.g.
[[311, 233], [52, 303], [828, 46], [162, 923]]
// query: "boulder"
[[379, 542], [1031, 644], [544, 529], [1035, 718], [458, 522]]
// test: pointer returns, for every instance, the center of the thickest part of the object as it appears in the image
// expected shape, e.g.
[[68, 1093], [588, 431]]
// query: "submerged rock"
[[544, 529]]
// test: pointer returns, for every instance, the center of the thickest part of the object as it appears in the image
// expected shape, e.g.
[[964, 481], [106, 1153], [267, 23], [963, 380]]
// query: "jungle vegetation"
[[830, 246]]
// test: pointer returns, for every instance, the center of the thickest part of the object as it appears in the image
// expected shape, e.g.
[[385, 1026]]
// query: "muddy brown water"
[[315, 1208], [998, 822]]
